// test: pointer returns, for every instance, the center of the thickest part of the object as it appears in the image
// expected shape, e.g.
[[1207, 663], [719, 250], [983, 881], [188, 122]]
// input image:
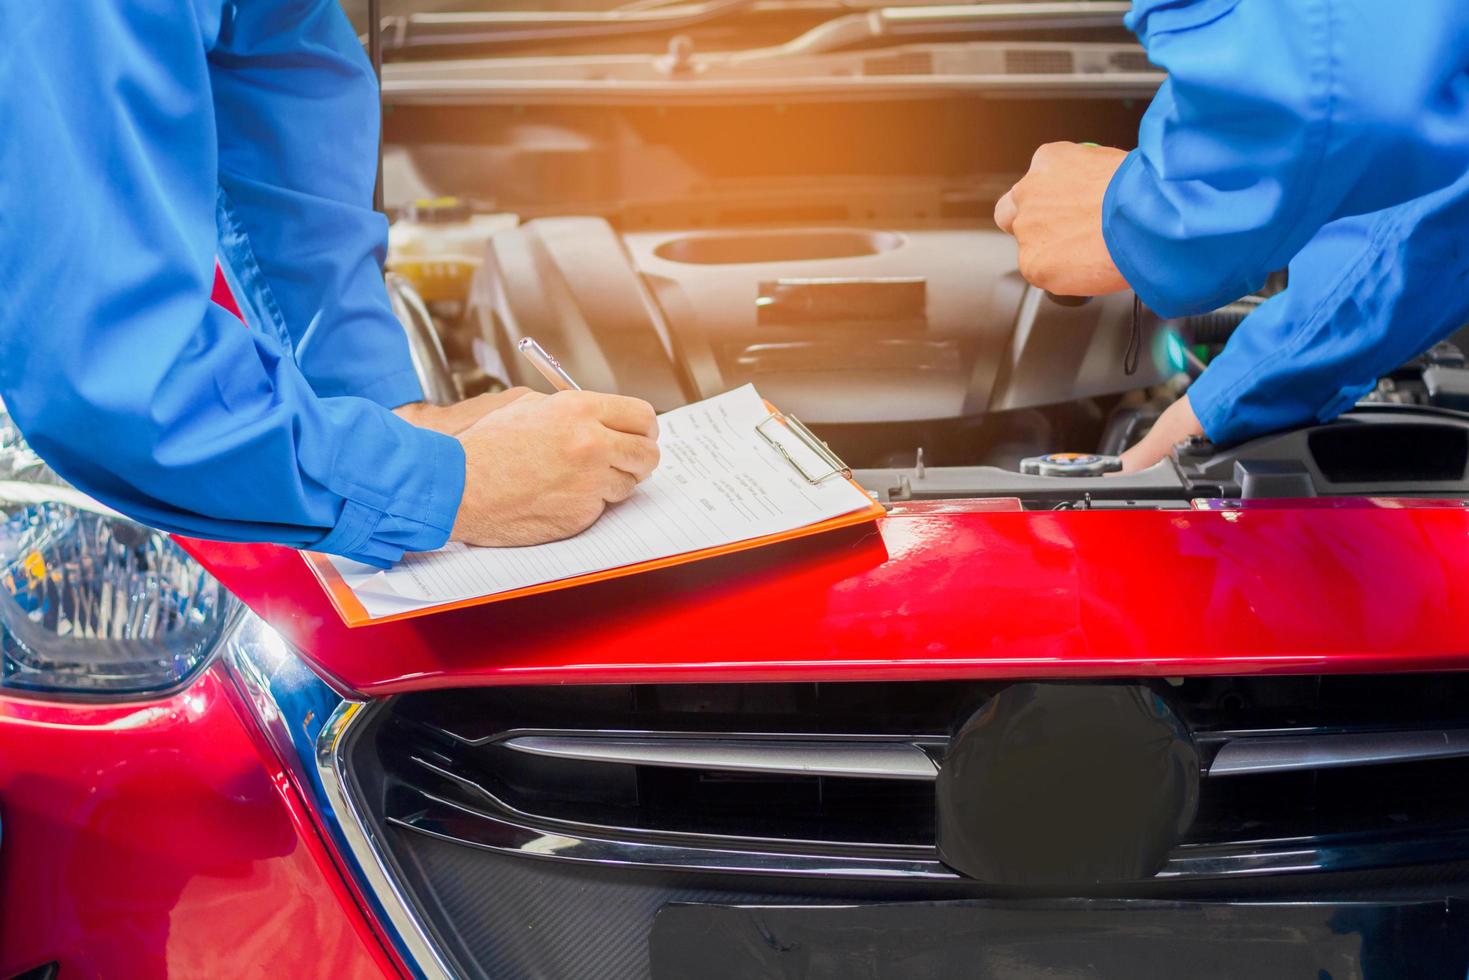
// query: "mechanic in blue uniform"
[[141, 141], [1329, 136]]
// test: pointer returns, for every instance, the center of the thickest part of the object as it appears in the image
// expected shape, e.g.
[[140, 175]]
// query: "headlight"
[[92, 603]]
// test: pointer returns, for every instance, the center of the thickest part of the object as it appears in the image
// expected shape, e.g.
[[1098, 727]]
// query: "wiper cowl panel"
[[519, 26], [842, 32], [525, 26]]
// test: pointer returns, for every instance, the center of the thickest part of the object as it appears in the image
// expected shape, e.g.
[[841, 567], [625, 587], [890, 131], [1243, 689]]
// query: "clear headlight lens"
[[91, 602]]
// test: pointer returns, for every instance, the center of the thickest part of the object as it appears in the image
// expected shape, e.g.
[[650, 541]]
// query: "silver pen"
[[547, 365]]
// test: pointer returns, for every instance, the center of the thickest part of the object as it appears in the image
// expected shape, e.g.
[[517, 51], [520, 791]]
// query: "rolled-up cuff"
[[1209, 396], [410, 505]]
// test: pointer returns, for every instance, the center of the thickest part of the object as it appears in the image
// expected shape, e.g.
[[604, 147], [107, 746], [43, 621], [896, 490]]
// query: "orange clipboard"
[[354, 614]]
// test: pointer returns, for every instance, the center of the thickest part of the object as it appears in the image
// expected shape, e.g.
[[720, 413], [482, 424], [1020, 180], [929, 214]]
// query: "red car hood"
[[945, 591]]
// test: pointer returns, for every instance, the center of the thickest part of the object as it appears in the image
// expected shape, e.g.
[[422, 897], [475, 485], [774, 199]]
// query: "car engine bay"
[[840, 255]]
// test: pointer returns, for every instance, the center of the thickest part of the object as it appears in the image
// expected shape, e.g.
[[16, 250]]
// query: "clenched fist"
[[544, 467], [1055, 214]]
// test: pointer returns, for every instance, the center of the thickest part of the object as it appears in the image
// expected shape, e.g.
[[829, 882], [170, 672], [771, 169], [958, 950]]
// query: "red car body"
[[168, 838], [182, 835]]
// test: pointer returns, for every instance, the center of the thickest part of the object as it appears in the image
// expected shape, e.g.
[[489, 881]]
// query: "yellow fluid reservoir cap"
[[439, 210]]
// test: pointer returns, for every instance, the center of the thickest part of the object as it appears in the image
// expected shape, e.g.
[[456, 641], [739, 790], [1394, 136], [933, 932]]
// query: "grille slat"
[[817, 757], [1264, 754]]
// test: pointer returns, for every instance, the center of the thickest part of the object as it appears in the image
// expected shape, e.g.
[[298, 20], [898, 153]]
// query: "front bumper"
[[240, 822]]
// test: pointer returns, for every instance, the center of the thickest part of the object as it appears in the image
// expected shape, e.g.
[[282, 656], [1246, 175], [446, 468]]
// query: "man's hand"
[[1055, 214], [454, 419], [1176, 424], [544, 467]]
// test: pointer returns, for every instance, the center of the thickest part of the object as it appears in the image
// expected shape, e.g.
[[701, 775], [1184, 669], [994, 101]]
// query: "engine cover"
[[834, 324]]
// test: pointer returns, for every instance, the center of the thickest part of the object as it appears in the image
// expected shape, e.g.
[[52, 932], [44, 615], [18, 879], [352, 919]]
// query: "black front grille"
[[462, 749], [638, 784]]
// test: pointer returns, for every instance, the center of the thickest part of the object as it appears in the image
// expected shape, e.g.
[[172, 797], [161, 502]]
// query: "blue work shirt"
[[138, 142], [1330, 136]]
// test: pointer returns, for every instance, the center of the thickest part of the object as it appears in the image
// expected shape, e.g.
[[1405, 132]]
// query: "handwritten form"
[[717, 483]]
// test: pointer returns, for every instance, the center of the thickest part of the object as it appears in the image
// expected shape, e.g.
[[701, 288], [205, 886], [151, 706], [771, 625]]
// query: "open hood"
[[972, 589]]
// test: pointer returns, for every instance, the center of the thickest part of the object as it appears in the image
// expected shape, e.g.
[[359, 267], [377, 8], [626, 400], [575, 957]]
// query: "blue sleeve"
[[117, 366], [297, 113], [1279, 116], [1366, 295]]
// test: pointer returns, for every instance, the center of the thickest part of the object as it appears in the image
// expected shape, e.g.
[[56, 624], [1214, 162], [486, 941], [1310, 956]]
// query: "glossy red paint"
[[946, 591], [158, 840]]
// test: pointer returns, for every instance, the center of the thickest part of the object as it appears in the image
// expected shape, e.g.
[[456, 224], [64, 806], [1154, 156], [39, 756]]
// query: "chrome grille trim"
[[365, 847], [453, 822], [307, 724], [913, 758], [503, 813], [1256, 754], [847, 756]]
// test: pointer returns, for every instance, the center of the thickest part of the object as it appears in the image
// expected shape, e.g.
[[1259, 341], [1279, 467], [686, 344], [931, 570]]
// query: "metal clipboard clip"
[[833, 464]]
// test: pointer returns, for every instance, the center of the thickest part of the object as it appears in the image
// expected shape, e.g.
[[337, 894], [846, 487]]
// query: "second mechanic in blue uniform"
[[1327, 136]]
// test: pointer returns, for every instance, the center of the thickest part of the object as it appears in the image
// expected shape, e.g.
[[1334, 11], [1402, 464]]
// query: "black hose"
[[1213, 329], [1216, 327], [1127, 425]]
